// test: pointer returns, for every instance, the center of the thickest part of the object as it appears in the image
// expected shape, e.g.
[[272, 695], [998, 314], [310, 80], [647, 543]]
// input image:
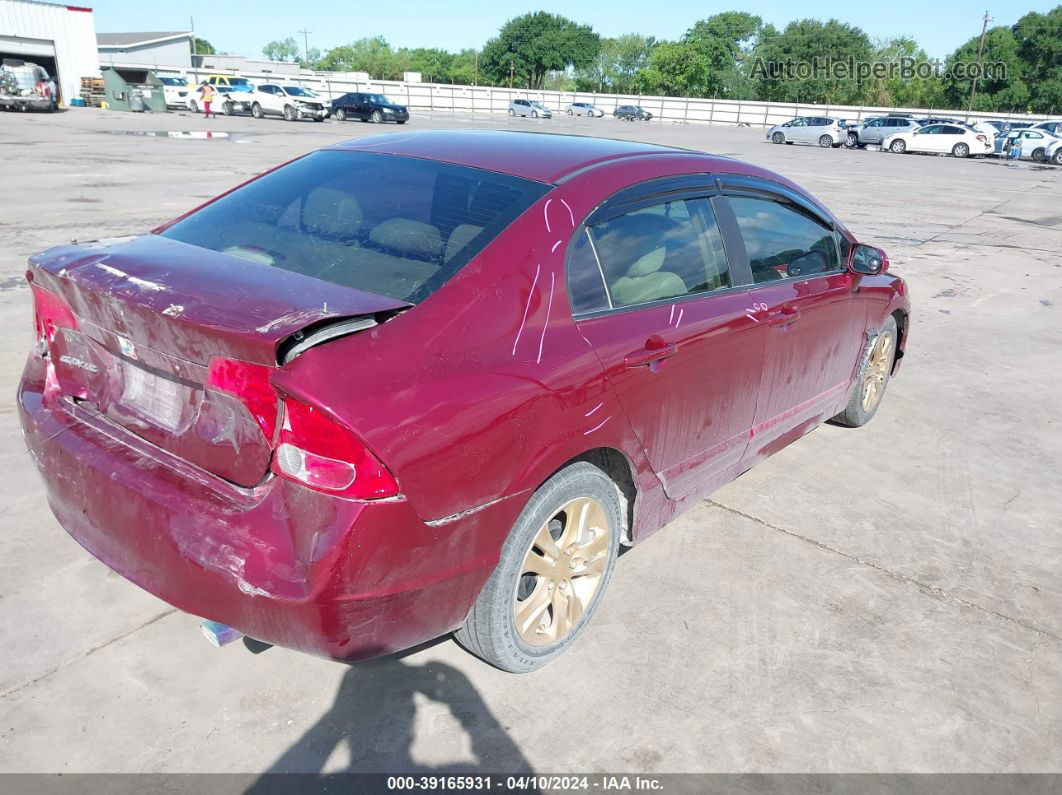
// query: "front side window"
[[666, 250], [783, 240], [325, 216]]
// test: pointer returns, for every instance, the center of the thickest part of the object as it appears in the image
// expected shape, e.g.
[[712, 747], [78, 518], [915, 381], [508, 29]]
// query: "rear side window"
[[782, 240], [384, 224], [662, 251]]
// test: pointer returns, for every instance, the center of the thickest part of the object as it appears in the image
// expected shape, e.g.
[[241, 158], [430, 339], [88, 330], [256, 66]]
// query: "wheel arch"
[[900, 316], [620, 470]]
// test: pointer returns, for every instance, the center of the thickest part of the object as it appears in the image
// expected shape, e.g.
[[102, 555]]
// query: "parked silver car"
[[821, 130], [529, 107], [877, 129], [585, 109]]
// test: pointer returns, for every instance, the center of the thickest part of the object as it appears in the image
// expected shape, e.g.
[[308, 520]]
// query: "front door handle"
[[784, 316], [649, 355]]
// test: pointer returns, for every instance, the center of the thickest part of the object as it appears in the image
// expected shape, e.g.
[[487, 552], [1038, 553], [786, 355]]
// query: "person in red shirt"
[[206, 91]]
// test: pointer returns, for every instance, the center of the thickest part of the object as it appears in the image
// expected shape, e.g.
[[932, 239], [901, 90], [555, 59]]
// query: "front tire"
[[228, 109], [960, 150], [898, 147], [341, 115], [377, 117], [1058, 157], [290, 114], [826, 142], [256, 111], [534, 114], [1039, 154], [872, 378], [852, 141], [193, 107], [553, 570], [778, 138]]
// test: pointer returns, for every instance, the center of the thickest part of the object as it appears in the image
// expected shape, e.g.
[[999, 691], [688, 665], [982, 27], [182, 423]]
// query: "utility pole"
[[305, 43], [980, 54], [475, 69], [191, 24], [511, 69]]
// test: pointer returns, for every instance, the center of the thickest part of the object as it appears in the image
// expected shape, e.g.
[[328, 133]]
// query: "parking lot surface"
[[881, 599]]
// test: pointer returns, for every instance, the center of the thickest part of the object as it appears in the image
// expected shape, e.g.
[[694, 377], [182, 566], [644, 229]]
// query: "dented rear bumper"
[[283, 564]]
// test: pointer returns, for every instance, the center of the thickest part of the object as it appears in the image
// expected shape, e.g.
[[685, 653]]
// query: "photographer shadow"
[[373, 716]]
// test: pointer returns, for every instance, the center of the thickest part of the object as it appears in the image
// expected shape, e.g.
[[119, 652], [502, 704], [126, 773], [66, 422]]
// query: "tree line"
[[732, 55]]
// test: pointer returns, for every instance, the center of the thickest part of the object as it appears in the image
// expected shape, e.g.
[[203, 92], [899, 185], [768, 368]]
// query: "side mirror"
[[868, 260], [808, 264]]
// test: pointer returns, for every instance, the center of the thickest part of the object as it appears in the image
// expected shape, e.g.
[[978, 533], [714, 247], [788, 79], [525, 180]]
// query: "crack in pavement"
[[51, 671], [930, 590]]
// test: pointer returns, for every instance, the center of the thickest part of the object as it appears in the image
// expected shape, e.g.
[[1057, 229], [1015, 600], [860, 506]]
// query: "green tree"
[[675, 69], [1039, 38], [528, 47], [899, 89], [1002, 87], [311, 59], [283, 50], [373, 55], [726, 40], [795, 65], [204, 47]]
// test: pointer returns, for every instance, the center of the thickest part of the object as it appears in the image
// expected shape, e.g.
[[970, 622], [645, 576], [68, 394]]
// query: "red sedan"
[[413, 384]]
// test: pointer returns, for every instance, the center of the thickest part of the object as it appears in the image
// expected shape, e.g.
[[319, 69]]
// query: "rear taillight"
[[249, 384], [43, 89], [50, 314], [318, 452]]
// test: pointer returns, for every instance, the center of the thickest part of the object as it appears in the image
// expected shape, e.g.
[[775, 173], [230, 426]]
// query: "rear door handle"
[[784, 316], [649, 355]]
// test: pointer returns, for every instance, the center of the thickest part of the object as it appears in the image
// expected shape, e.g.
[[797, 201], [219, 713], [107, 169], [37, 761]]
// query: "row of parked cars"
[[236, 95], [901, 134], [536, 110]]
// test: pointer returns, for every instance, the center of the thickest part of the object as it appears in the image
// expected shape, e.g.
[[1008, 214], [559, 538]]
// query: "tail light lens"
[[982, 139], [249, 384], [50, 314], [318, 452]]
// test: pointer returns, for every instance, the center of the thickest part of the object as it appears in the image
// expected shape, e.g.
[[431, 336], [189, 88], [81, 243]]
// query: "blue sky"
[[243, 26]]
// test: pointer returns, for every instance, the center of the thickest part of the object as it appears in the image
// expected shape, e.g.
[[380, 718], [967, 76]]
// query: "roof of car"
[[544, 157]]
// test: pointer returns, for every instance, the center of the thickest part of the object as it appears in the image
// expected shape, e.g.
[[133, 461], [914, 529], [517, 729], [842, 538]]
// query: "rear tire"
[[193, 107], [1039, 154], [898, 147], [826, 142], [960, 150], [875, 371], [341, 115], [577, 511], [778, 138]]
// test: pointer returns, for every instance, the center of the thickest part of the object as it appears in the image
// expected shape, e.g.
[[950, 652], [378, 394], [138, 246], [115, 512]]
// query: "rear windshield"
[[384, 224]]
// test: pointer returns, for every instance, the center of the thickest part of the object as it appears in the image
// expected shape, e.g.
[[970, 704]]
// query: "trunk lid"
[[152, 314]]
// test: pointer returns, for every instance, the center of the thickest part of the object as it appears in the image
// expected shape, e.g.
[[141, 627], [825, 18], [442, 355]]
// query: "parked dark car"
[[348, 419], [369, 107], [632, 113]]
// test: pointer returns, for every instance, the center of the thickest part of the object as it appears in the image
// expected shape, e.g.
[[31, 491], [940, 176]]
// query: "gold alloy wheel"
[[562, 572], [877, 371]]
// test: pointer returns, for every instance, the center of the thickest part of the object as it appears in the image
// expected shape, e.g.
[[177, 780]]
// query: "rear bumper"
[[283, 564]]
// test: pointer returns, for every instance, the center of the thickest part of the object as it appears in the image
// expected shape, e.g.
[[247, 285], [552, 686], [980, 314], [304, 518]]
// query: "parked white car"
[[291, 102], [585, 109], [1053, 126], [821, 130], [177, 91], [953, 139], [1053, 154], [1034, 144]]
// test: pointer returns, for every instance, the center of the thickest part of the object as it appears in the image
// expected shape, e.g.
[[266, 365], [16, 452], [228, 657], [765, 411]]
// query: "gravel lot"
[[883, 599]]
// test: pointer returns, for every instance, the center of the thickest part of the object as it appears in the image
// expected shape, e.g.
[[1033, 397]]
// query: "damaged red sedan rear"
[[421, 383]]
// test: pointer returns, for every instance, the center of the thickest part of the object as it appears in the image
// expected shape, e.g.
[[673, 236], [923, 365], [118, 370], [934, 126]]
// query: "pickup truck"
[[26, 86]]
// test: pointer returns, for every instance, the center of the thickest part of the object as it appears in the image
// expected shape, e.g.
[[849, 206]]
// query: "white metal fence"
[[667, 110]]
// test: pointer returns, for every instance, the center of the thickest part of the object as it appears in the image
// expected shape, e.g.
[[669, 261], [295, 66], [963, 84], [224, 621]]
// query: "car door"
[[654, 295], [798, 131], [926, 139], [872, 132], [805, 302]]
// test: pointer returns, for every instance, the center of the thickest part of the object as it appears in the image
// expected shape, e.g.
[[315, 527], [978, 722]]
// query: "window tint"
[[325, 216], [663, 251], [783, 240], [949, 130], [585, 284]]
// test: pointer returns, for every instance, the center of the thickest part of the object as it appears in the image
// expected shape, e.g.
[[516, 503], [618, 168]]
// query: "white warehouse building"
[[61, 38]]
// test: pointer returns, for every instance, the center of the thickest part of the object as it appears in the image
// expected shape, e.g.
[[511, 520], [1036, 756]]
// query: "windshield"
[[173, 81], [325, 216], [377, 99], [298, 91]]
